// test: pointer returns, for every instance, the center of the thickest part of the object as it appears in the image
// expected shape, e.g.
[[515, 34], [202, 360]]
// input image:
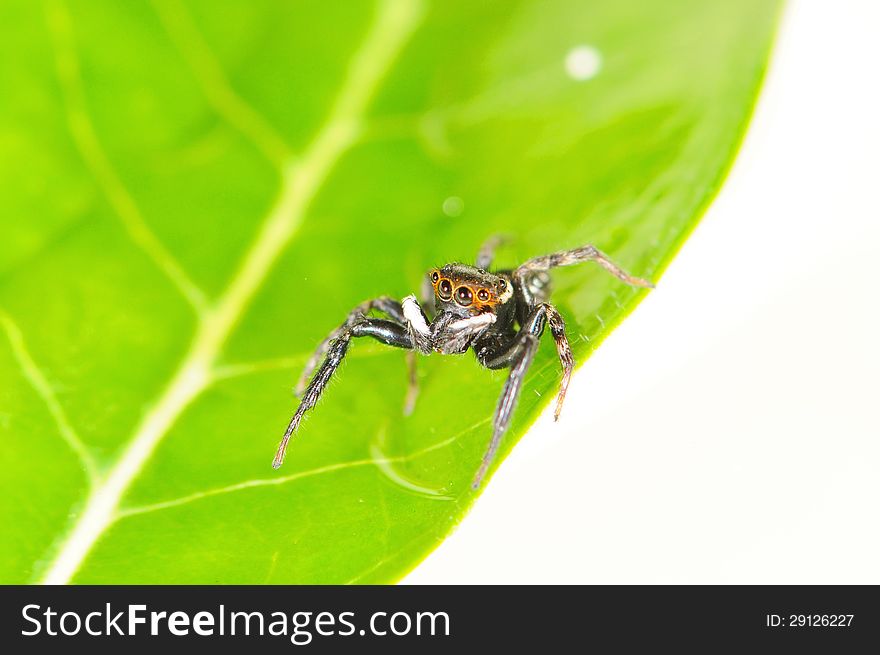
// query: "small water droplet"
[[583, 62], [453, 206]]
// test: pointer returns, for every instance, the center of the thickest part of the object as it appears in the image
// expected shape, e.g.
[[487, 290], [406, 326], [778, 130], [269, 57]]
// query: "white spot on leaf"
[[453, 206], [583, 62]]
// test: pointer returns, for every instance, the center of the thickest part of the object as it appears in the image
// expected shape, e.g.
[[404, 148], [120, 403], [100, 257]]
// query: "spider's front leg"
[[383, 304], [518, 353], [387, 332], [390, 308]]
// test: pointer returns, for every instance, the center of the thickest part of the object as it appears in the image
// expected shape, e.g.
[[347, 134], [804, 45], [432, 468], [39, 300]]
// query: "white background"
[[729, 430]]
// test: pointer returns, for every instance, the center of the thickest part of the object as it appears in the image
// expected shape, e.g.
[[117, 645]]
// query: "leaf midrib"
[[301, 179]]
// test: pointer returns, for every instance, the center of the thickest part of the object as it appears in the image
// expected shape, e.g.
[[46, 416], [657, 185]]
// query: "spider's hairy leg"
[[383, 304], [546, 314], [563, 349], [518, 356], [586, 253], [412, 387], [486, 254], [426, 296], [387, 332]]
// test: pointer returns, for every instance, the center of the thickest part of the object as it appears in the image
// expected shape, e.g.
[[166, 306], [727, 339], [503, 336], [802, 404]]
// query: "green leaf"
[[197, 193]]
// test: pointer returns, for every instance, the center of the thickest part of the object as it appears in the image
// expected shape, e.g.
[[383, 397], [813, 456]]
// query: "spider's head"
[[468, 291]]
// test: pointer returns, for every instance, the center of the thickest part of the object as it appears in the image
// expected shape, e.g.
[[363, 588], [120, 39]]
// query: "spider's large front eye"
[[464, 296], [444, 289]]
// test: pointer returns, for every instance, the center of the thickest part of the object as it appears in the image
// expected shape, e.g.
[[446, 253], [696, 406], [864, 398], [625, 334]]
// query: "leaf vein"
[[97, 162], [281, 480], [37, 379], [216, 86], [302, 178]]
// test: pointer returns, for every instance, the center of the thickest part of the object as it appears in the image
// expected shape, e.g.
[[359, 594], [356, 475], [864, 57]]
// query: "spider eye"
[[444, 289], [502, 285], [435, 276], [464, 296], [483, 295]]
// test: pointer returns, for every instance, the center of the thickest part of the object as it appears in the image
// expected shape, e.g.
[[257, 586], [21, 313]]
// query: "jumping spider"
[[500, 315]]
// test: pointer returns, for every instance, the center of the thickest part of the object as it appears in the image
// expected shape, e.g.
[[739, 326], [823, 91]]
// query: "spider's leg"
[[586, 253], [426, 298], [426, 309], [563, 349], [546, 314], [387, 332], [426, 295], [412, 387], [518, 356], [487, 251], [383, 304]]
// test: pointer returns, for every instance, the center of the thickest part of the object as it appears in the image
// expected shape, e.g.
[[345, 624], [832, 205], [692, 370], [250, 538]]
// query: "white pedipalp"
[[472, 324], [414, 315]]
